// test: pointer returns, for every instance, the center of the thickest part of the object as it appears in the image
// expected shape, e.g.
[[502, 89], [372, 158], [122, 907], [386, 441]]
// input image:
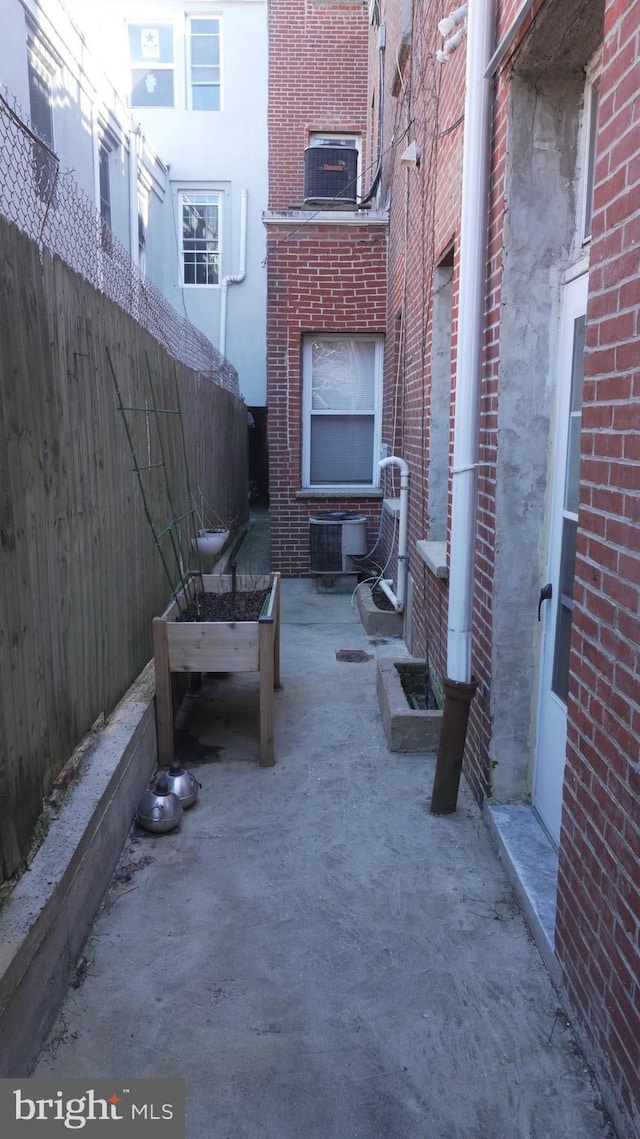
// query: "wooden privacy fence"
[[80, 579]]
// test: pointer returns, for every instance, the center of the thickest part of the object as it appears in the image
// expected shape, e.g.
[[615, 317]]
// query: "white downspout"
[[473, 235], [398, 598], [236, 278]]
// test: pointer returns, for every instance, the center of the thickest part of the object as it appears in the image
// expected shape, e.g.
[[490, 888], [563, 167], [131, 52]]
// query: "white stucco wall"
[[224, 150], [85, 108]]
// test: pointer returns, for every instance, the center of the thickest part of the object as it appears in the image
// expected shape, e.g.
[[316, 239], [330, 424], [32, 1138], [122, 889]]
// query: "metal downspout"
[[459, 686], [235, 278]]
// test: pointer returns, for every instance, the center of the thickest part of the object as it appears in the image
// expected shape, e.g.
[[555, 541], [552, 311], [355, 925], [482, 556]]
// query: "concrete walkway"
[[313, 952]]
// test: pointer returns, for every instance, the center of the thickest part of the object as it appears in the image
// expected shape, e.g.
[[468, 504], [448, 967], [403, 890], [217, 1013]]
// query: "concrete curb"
[[45, 921]]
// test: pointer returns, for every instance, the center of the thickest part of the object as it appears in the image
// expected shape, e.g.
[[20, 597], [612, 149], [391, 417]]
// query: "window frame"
[[199, 191], [307, 412], [189, 64], [41, 67], [160, 66], [332, 137], [589, 145], [105, 151]]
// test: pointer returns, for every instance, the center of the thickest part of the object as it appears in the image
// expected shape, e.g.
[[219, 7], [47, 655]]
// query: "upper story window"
[[204, 64], [342, 382], [200, 238], [105, 184], [152, 64], [41, 114]]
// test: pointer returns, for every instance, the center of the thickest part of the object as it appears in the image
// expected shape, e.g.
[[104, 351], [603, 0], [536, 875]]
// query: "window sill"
[[434, 555], [392, 506], [340, 492]]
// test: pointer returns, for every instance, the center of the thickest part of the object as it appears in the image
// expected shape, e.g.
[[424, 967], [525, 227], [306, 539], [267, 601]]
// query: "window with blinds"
[[342, 379]]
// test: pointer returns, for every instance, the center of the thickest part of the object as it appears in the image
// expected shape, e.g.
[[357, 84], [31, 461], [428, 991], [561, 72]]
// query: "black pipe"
[[453, 734]]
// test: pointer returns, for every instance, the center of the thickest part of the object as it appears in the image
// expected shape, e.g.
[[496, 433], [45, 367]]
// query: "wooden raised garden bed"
[[219, 646]]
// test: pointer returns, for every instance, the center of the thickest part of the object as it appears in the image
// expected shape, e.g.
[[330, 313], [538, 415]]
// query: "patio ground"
[[313, 952]]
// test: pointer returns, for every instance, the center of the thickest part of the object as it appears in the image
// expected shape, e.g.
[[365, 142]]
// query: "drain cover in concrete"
[[353, 656]]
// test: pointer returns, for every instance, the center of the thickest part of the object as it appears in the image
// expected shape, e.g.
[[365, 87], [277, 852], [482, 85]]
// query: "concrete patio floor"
[[313, 952]]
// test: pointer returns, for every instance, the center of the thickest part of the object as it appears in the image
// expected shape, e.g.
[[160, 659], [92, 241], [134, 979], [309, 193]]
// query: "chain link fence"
[[47, 204]]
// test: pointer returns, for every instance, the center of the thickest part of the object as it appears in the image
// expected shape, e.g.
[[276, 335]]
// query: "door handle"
[[546, 593]]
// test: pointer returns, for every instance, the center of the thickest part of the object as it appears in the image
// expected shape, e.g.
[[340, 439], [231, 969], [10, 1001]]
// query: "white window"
[[152, 64], [41, 114], [204, 65], [342, 381], [105, 183], [200, 237]]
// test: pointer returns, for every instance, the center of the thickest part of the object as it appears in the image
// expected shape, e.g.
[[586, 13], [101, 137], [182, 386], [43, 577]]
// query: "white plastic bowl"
[[210, 541]]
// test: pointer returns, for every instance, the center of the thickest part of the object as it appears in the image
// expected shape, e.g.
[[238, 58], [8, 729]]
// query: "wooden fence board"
[[81, 578]]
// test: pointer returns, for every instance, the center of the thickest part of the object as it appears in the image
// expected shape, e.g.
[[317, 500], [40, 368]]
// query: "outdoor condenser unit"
[[330, 172], [334, 540]]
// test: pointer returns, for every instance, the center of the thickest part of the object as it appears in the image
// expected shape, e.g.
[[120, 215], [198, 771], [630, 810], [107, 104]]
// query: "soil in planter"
[[381, 601], [417, 687], [241, 606]]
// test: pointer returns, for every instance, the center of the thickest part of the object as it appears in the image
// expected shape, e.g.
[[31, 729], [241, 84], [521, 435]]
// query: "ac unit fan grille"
[[326, 548], [330, 172]]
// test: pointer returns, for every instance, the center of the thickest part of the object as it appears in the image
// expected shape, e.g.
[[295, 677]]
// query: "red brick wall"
[[598, 926], [317, 82], [320, 278]]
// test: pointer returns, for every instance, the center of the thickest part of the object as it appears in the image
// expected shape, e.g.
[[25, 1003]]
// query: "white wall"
[[223, 150], [86, 107]]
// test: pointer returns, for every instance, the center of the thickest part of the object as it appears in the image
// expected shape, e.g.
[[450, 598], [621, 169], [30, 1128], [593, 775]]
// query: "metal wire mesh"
[[47, 204]]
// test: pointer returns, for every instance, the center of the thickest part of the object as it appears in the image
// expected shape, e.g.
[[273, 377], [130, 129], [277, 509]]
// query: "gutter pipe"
[[473, 235], [398, 598], [459, 686], [235, 278]]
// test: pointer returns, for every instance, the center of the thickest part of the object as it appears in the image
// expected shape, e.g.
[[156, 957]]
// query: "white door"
[[556, 594]]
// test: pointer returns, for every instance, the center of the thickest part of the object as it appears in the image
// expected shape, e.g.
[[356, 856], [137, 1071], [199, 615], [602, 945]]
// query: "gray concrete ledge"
[[377, 622], [531, 864], [434, 555], [406, 729], [47, 917]]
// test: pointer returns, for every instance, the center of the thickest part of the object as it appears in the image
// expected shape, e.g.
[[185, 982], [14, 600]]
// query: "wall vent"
[[330, 173], [334, 540]]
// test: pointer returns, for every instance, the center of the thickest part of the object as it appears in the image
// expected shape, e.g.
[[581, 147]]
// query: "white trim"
[[594, 71]]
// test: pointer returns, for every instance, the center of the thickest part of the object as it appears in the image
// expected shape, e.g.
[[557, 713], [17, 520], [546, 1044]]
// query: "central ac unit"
[[330, 174], [335, 540]]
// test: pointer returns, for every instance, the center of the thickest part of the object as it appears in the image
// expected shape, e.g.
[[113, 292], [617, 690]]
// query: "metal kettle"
[[159, 808], [183, 784]]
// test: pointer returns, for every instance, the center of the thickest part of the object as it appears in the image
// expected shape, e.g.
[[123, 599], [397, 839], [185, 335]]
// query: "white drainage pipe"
[[398, 598]]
